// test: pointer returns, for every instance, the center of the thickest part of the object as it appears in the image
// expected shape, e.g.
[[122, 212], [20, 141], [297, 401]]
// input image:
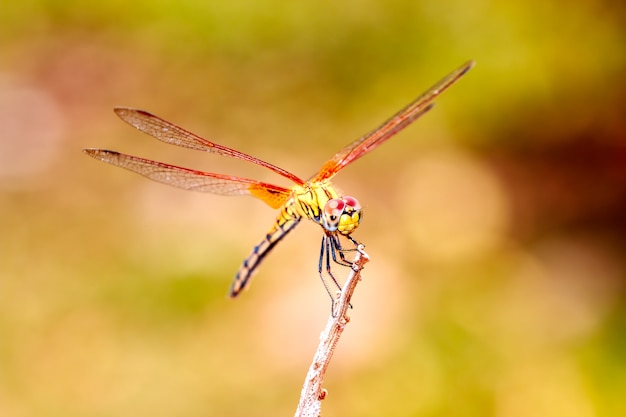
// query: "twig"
[[312, 393]]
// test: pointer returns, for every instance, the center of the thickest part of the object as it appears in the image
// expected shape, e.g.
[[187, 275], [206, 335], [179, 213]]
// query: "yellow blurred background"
[[495, 224]]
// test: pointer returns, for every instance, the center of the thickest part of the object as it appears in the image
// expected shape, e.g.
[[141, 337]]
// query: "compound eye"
[[334, 208], [352, 202]]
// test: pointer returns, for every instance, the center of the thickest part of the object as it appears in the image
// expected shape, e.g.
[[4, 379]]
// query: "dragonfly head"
[[342, 215]]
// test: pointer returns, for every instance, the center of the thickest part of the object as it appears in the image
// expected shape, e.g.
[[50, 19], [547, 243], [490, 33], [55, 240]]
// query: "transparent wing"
[[395, 124], [175, 135], [189, 179]]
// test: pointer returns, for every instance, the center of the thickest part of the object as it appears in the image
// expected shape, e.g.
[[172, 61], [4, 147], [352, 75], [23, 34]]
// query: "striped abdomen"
[[307, 201], [286, 222]]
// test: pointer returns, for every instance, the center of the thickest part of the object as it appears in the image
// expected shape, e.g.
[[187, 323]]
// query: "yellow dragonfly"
[[315, 199]]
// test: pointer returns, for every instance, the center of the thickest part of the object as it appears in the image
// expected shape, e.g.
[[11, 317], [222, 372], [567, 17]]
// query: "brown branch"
[[312, 393]]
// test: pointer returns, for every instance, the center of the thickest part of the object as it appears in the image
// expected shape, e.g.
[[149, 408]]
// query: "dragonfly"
[[315, 199]]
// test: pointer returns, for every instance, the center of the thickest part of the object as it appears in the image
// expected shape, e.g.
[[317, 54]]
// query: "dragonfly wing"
[[175, 135], [260, 251], [189, 179], [395, 124]]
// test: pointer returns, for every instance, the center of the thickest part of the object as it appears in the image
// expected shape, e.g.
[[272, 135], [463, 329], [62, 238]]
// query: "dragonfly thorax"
[[341, 215], [322, 203]]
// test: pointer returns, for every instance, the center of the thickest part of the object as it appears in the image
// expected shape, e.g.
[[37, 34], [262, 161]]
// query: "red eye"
[[334, 207], [352, 202]]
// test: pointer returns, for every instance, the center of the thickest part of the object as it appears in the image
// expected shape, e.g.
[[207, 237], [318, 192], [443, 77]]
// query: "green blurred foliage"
[[495, 225]]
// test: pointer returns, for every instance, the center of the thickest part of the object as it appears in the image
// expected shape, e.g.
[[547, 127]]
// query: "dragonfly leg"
[[337, 248], [330, 253], [329, 249], [351, 239], [324, 264]]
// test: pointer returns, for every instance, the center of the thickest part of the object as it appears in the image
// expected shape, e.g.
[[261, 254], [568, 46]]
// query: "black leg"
[[330, 247], [330, 252], [336, 247], [324, 259]]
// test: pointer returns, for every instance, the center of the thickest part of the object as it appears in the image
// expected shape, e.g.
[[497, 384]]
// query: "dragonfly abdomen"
[[284, 224], [307, 201]]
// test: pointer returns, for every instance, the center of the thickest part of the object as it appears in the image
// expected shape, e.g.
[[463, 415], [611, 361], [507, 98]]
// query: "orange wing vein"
[[189, 179], [175, 135], [395, 124]]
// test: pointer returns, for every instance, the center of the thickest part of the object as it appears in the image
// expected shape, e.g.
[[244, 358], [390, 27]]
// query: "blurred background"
[[495, 224]]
